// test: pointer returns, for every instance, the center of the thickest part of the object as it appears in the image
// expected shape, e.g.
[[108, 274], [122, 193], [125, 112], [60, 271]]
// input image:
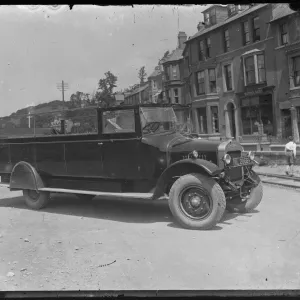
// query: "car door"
[[83, 154], [120, 143]]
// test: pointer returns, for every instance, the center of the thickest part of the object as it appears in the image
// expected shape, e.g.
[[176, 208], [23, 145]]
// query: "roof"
[[138, 90], [176, 55], [281, 10], [156, 72], [227, 21]]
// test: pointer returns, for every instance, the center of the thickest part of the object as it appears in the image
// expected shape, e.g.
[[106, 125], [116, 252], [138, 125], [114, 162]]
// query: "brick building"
[[285, 26], [235, 79]]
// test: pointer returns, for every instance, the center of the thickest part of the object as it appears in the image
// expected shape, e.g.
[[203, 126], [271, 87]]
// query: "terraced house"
[[173, 67], [233, 69]]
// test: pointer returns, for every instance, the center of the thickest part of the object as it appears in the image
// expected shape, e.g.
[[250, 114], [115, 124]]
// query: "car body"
[[132, 152]]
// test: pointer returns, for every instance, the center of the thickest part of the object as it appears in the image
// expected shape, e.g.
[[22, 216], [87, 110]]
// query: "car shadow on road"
[[133, 211]]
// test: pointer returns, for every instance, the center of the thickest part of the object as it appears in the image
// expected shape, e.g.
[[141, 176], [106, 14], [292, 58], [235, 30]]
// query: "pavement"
[[275, 175], [114, 245]]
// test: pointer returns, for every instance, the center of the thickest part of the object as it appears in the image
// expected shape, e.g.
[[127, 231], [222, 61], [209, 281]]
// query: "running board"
[[144, 196]]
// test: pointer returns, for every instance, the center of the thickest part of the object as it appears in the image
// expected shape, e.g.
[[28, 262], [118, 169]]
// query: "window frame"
[[176, 96], [210, 81], [201, 51], [255, 29], [281, 34], [296, 85], [213, 127], [226, 42], [202, 82], [207, 47], [245, 33], [229, 66], [256, 68]]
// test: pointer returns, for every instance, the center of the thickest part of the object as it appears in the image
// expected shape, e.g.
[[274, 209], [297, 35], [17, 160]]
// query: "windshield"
[[157, 119]]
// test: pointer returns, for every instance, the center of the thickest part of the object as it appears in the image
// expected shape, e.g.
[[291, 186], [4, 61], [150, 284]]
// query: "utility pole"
[[63, 87]]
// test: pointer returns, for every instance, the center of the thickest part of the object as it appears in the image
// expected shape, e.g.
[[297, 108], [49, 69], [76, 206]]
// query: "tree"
[[104, 95], [142, 75]]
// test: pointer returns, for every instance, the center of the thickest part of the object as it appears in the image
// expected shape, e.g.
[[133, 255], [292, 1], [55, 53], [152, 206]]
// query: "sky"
[[40, 47]]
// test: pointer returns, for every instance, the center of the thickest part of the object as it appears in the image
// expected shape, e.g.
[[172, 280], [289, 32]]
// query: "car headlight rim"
[[227, 159], [251, 155]]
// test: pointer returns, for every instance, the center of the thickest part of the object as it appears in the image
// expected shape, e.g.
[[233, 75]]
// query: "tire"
[[204, 188], [253, 201], [36, 200], [85, 197]]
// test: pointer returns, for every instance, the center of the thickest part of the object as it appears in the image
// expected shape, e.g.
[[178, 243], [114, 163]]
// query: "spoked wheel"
[[197, 201], [35, 199]]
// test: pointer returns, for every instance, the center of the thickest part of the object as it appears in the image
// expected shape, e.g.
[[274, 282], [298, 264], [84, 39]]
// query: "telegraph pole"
[[63, 87]]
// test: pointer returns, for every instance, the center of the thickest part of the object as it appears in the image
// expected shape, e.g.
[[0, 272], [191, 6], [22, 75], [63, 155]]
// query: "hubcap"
[[195, 203]]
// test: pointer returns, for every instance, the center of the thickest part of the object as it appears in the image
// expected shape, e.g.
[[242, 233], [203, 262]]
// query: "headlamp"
[[227, 159], [251, 155]]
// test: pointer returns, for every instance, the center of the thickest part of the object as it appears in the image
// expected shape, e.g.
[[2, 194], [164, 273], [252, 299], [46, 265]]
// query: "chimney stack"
[[182, 38], [200, 26]]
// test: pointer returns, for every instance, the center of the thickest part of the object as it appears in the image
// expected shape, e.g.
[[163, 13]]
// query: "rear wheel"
[[197, 201], [36, 200], [85, 197], [253, 200]]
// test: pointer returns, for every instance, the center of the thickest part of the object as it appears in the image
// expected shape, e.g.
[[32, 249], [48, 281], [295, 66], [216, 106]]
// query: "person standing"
[[290, 152]]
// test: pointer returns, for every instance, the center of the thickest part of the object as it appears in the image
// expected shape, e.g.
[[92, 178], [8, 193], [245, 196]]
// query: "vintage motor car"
[[129, 152]]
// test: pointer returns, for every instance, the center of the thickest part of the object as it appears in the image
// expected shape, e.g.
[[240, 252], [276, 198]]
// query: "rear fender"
[[182, 167], [25, 177]]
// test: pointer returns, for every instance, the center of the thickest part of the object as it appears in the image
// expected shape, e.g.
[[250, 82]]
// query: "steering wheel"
[[151, 127]]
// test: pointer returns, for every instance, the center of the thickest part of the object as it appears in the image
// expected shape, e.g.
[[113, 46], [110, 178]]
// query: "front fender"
[[185, 166], [25, 177]]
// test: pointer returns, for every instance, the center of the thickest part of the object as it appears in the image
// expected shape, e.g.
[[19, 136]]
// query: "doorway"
[[286, 121]]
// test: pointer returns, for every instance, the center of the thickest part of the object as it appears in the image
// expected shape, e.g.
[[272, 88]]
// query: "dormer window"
[[233, 9], [210, 17]]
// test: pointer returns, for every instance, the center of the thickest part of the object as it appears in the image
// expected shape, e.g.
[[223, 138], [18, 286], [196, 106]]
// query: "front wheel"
[[36, 200], [197, 201], [253, 200]]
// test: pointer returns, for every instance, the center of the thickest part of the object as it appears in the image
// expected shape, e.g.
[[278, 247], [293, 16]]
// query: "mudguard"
[[189, 166], [25, 177]]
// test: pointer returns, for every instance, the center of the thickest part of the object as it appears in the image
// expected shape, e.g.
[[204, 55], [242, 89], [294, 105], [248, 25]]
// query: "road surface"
[[113, 245]]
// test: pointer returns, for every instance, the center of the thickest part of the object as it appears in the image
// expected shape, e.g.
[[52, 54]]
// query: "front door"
[[120, 148]]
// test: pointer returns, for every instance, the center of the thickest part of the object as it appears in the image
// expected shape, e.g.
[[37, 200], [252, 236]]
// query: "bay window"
[[200, 83], [261, 68], [296, 70], [254, 69], [212, 80], [250, 70], [228, 77]]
